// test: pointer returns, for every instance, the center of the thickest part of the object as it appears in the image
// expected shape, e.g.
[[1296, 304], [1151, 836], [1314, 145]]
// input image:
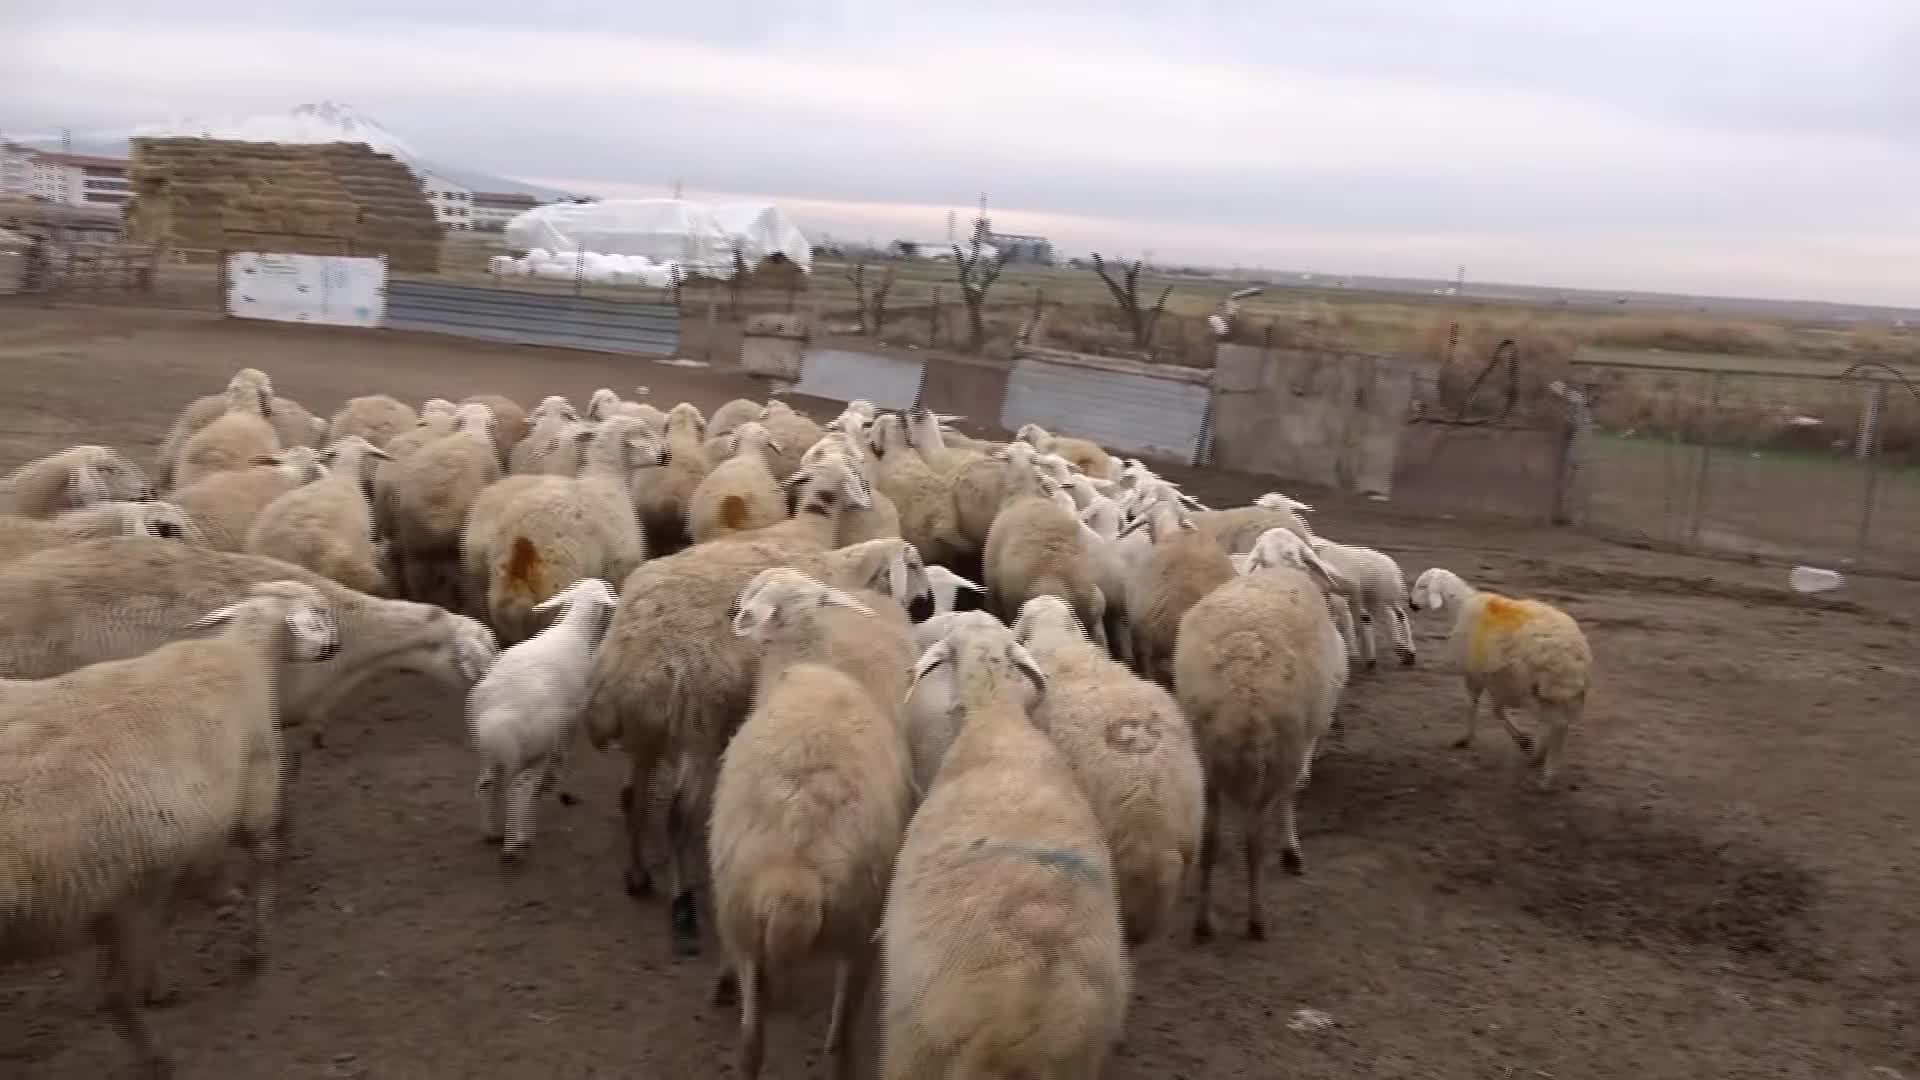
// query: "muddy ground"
[[1726, 887]]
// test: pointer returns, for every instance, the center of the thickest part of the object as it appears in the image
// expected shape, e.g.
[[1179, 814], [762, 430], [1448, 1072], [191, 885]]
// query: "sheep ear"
[[374, 451], [215, 618], [550, 603], [324, 457], [1334, 581], [856, 489], [1029, 667], [897, 575], [264, 459], [837, 598], [775, 447], [89, 487], [938, 653], [965, 584], [748, 620]]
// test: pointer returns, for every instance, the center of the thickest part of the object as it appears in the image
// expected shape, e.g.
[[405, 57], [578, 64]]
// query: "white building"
[[493, 209], [80, 179], [16, 170], [452, 203]]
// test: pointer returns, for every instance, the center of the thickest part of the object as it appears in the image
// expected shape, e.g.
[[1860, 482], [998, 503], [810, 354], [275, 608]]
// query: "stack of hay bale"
[[212, 195]]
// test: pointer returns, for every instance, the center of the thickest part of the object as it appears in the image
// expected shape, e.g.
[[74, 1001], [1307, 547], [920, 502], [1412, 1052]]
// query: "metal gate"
[[533, 318]]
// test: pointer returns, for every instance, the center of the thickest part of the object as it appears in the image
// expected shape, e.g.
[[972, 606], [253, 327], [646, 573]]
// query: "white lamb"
[[124, 777], [523, 714], [1524, 654], [1379, 596]]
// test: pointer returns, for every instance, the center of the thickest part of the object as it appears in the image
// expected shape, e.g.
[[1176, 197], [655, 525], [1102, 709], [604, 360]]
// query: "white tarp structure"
[[330, 289], [700, 238]]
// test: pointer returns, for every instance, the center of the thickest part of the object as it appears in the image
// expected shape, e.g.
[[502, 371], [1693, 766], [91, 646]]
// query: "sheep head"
[[163, 520], [978, 650], [602, 403], [313, 634], [946, 587], [551, 407], [99, 474], [250, 391], [1280, 547], [1047, 623], [779, 595], [1437, 587]]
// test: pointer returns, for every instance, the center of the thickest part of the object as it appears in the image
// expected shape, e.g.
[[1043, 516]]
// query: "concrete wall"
[[1333, 419], [1450, 468]]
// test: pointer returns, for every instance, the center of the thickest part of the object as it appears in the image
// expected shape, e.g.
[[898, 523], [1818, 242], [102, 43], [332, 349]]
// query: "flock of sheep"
[[1005, 786]]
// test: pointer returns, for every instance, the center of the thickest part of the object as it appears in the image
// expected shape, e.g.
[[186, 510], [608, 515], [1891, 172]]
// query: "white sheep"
[[1084, 454], [741, 493], [1036, 547], [793, 432], [436, 419], [1130, 748], [922, 496], [731, 415], [1002, 943], [1523, 654], [203, 411], [510, 421], [226, 504], [523, 714], [109, 599], [1379, 597], [426, 506], [133, 772], [1181, 567], [1258, 668], [809, 807], [327, 526], [951, 592], [661, 496], [23, 536], [857, 524], [376, 418], [554, 534], [231, 440], [1236, 530], [74, 479], [294, 424]]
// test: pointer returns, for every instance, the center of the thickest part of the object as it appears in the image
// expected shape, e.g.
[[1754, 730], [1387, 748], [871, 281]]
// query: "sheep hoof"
[[639, 882], [491, 839], [1463, 742], [726, 990], [318, 740], [1291, 863], [1525, 743], [513, 856], [626, 799], [1406, 659], [1202, 931], [1370, 665], [568, 798], [1256, 930], [683, 918]]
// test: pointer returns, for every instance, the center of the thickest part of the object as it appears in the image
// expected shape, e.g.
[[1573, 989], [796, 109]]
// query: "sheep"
[[1522, 654], [820, 497], [1113, 560], [377, 419], [740, 493], [1236, 530], [1380, 596], [436, 420], [22, 536], [1037, 547], [230, 440], [522, 715], [1001, 941], [226, 504], [670, 679], [128, 776], [857, 524], [203, 411], [294, 424], [923, 497], [809, 807], [510, 420], [426, 504], [1258, 668], [732, 415], [951, 592], [1130, 748], [327, 526], [793, 433], [74, 479], [661, 496], [554, 534], [1182, 566], [1084, 454], [109, 599], [927, 438], [480, 534], [551, 422], [605, 403]]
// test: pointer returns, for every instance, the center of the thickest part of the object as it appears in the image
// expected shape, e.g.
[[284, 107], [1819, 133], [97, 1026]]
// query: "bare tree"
[[880, 291], [976, 273], [857, 273], [1141, 320]]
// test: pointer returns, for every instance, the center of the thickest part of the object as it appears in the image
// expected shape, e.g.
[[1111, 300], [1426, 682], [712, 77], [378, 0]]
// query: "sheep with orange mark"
[[741, 493], [1522, 654]]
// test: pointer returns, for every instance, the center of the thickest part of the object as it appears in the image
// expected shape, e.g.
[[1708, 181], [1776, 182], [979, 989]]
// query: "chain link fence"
[[1793, 463]]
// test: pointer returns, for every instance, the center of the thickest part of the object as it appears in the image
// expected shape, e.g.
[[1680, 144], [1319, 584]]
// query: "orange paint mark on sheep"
[[1498, 617], [524, 566], [733, 512]]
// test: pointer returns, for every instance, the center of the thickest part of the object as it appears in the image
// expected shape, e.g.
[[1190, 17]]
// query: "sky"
[[1749, 147]]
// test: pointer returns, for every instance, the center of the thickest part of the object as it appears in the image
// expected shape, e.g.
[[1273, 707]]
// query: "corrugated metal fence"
[[1131, 408], [531, 318], [891, 382]]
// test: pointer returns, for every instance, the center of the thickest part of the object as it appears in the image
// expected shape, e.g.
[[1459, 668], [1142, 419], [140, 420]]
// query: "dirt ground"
[[1725, 888]]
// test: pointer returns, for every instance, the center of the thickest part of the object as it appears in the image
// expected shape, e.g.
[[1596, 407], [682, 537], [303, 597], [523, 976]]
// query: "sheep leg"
[[522, 790], [126, 953], [1290, 860], [753, 1032], [1096, 618], [634, 802], [1209, 850], [1521, 737], [556, 765], [1557, 723], [1363, 637], [855, 987], [1402, 624], [1254, 827], [683, 911], [490, 788], [263, 888], [1473, 709]]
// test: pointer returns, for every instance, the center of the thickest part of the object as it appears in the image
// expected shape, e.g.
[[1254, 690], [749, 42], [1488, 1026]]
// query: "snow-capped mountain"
[[326, 121]]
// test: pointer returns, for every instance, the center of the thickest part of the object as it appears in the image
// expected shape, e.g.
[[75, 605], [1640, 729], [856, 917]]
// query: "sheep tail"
[[791, 912]]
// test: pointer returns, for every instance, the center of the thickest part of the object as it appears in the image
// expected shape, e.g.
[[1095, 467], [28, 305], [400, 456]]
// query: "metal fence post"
[[1704, 472], [1867, 446]]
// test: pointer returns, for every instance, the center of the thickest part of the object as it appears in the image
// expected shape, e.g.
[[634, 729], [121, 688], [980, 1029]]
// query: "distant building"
[[79, 179], [452, 203], [61, 223], [16, 171], [493, 209], [1014, 248]]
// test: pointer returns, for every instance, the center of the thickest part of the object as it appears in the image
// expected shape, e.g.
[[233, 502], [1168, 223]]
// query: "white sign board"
[[330, 289]]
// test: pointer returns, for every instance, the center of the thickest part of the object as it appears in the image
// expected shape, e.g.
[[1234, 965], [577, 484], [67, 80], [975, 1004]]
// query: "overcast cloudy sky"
[[1766, 147]]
